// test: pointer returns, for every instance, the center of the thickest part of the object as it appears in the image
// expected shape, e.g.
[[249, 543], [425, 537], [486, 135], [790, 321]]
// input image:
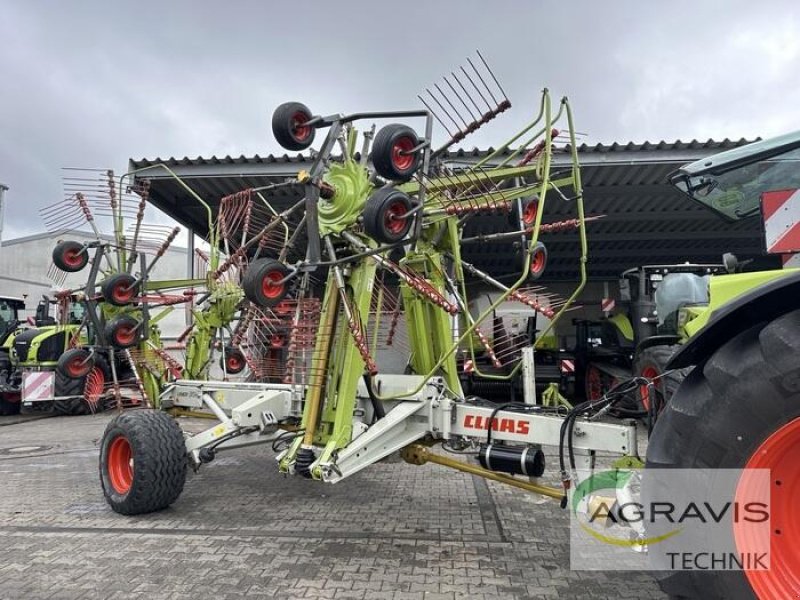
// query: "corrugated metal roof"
[[646, 218]]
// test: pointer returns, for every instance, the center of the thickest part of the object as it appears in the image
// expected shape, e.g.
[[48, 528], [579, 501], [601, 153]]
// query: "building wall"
[[25, 262]]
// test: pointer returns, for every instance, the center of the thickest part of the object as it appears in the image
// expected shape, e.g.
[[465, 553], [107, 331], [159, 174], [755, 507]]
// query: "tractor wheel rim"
[[595, 383], [271, 285], [94, 386], [120, 465], [537, 262], [301, 132], [393, 219], [780, 453], [648, 372], [529, 212], [402, 158], [125, 334], [73, 258]]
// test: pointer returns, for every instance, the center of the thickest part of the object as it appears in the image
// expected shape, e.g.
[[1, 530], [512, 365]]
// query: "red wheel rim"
[[123, 292], [394, 220], [234, 362], [271, 285], [649, 372], [277, 341], [125, 334], [538, 262], [529, 212], [77, 366], [300, 132], [120, 465], [780, 453], [94, 386], [402, 158], [72, 258], [594, 383]]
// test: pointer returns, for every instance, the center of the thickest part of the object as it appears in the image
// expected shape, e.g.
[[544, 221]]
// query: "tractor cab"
[[9, 316]]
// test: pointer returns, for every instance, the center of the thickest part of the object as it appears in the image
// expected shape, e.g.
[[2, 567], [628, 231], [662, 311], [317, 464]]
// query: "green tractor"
[[9, 382], [739, 406]]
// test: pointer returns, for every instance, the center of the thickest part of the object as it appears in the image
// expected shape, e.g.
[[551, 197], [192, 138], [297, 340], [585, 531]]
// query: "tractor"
[[739, 405], [9, 385]]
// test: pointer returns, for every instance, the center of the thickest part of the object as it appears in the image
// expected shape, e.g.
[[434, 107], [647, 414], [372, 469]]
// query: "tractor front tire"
[[740, 408], [651, 363], [143, 462]]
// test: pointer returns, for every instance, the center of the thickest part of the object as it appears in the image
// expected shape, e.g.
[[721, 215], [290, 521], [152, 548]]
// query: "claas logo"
[[501, 425]]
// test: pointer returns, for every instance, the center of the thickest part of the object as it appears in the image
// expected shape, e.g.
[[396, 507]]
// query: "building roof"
[[646, 218]]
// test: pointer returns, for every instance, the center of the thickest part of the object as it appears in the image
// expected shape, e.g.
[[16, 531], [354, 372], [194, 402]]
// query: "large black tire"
[[718, 417], [70, 256], [288, 129], [391, 152], [9, 402], [263, 282], [142, 462], [651, 363], [84, 393], [381, 215]]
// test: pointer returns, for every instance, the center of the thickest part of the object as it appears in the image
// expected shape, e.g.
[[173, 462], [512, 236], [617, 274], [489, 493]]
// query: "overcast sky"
[[92, 84]]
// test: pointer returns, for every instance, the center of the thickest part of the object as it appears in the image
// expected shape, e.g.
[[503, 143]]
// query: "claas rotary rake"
[[357, 305]]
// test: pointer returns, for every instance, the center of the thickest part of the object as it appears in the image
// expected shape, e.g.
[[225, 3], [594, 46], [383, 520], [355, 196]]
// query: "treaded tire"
[[538, 262], [233, 362], [123, 332], [379, 215], [260, 282], [721, 413], [7, 407], [388, 152], [120, 289], [157, 469], [68, 385], [655, 359], [70, 256], [287, 126]]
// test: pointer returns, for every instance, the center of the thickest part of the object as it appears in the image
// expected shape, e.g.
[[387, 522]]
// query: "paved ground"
[[241, 530]]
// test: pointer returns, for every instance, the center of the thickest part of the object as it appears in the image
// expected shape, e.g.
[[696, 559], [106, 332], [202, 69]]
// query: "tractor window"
[[736, 194], [8, 312], [677, 290], [76, 312]]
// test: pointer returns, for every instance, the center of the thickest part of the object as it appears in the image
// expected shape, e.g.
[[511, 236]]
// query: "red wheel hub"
[[120, 465], [394, 220], [594, 383], [95, 386], [73, 258], [537, 262], [77, 367], [123, 292], [649, 372], [301, 132], [271, 285], [529, 212], [125, 334], [402, 157], [780, 453], [234, 362]]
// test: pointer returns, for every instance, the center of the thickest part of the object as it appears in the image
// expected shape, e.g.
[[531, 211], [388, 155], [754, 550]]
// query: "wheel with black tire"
[[142, 462], [740, 408], [9, 401], [264, 284], [123, 332], [288, 126], [393, 154], [70, 256], [385, 216], [232, 361], [538, 261], [523, 212], [651, 363], [120, 289], [80, 383]]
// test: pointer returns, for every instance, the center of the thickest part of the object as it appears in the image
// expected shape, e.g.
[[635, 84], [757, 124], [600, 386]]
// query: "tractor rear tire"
[[143, 462], [651, 363], [722, 416], [87, 391]]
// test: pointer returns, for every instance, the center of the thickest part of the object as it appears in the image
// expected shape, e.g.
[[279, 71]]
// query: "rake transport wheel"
[[142, 462], [288, 126], [392, 152], [70, 256], [83, 379], [233, 361], [538, 261], [384, 216], [264, 284], [651, 363], [120, 289], [740, 408], [524, 212]]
